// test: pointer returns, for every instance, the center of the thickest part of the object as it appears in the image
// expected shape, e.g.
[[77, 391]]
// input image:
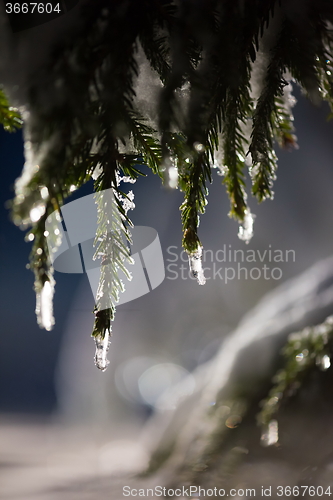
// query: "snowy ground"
[[44, 460]]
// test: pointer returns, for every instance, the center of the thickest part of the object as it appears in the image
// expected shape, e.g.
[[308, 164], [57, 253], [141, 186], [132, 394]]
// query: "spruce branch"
[[305, 350], [10, 117], [194, 185], [82, 117], [264, 122], [145, 141]]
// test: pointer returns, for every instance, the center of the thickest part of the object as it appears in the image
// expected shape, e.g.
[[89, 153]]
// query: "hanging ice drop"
[[170, 172], [324, 362], [245, 231], [195, 261], [44, 306], [270, 435], [102, 347]]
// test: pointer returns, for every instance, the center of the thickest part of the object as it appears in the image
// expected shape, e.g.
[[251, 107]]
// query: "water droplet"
[[233, 421], [102, 348], [195, 261], [72, 188], [324, 362], [36, 212], [173, 177], [200, 148], [39, 251], [46, 233], [245, 231], [44, 192], [270, 435], [30, 237], [170, 172]]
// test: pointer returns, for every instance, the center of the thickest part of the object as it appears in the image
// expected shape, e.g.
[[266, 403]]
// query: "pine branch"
[[193, 180], [10, 117], [156, 19], [304, 351], [264, 122], [234, 155], [145, 141], [202, 52], [283, 125]]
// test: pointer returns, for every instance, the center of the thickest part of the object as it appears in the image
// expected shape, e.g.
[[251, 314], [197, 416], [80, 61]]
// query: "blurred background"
[[60, 417]]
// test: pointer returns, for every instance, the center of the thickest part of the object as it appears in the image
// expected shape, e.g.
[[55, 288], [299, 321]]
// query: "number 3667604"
[[32, 7]]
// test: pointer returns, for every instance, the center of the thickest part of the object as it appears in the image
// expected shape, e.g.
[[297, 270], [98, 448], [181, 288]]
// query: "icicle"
[[44, 306], [102, 348], [170, 172], [245, 231], [195, 261], [173, 177], [37, 212], [44, 192], [271, 434], [324, 362]]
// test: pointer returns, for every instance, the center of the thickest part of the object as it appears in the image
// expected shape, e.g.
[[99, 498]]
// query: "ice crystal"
[[127, 201]]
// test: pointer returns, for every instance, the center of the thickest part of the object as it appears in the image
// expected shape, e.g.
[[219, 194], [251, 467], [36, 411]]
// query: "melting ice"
[[245, 231], [271, 434], [102, 348], [195, 261], [44, 306]]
